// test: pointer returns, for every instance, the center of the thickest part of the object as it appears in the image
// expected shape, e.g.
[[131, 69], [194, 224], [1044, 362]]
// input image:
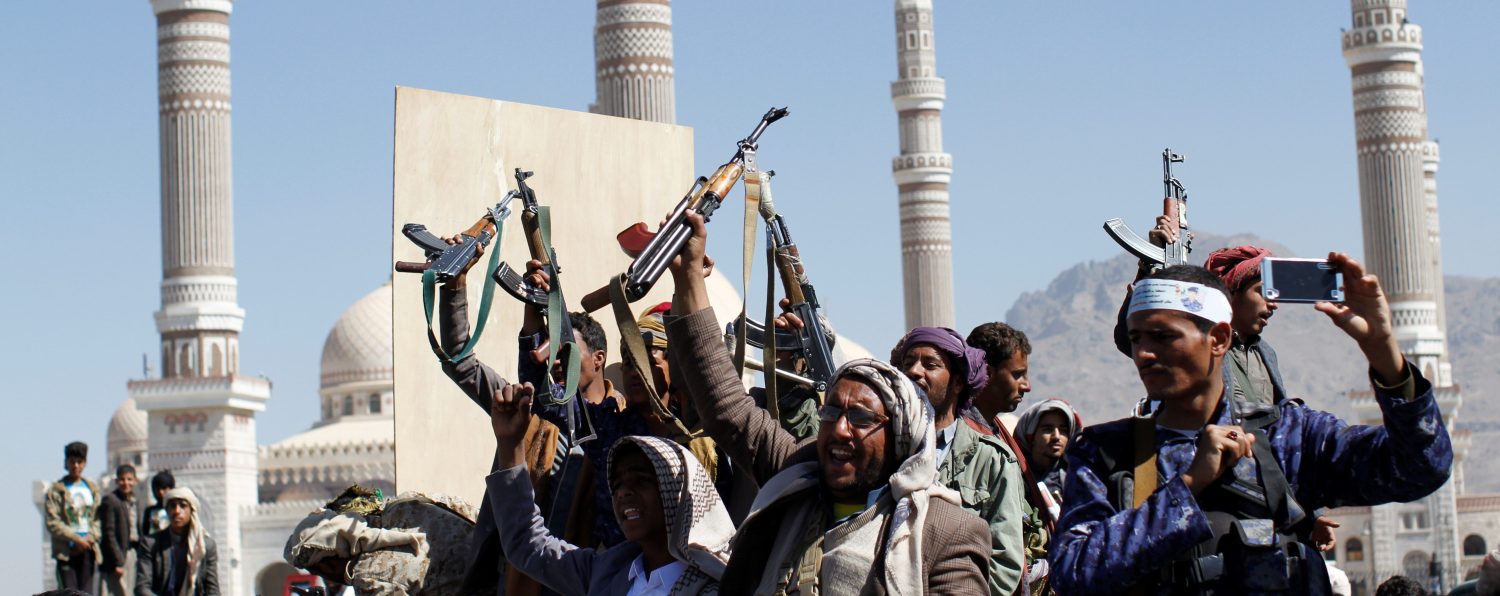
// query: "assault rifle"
[[540, 250], [447, 261], [811, 340], [1174, 207], [507, 277], [654, 250]]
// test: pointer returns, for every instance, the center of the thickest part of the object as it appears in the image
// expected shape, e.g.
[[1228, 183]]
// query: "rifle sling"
[[747, 255], [630, 337], [768, 347], [429, 289], [1145, 479], [560, 337]]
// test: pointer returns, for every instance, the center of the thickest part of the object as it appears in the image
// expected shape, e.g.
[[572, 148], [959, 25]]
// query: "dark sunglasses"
[[859, 418]]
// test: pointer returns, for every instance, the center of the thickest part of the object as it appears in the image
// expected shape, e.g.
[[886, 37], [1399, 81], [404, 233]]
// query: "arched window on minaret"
[[167, 361], [216, 366]]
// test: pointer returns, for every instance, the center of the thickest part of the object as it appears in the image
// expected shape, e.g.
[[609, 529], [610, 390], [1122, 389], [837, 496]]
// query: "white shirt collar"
[[656, 582]]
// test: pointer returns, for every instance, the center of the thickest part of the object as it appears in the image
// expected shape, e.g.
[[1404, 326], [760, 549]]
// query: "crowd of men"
[[901, 478]]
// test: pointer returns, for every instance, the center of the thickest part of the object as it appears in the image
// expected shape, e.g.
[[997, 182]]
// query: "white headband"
[[1169, 294]]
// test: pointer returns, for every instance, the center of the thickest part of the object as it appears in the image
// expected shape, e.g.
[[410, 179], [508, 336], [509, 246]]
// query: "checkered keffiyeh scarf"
[[698, 525], [913, 485]]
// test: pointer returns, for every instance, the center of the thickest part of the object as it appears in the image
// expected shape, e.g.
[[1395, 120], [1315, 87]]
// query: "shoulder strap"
[[1283, 505], [630, 337], [1145, 478]]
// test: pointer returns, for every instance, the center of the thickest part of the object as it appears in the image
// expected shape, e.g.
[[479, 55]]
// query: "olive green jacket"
[[59, 526], [984, 472]]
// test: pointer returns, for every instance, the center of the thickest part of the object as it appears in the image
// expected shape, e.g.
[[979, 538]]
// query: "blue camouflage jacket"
[[1101, 549]]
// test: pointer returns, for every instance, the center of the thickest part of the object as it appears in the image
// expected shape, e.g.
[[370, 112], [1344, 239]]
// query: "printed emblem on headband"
[[1190, 300], [1167, 294]]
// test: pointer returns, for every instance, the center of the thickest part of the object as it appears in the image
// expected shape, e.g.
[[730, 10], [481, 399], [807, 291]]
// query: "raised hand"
[[510, 414], [537, 276], [690, 267], [788, 319], [462, 278], [1365, 317], [1219, 447]]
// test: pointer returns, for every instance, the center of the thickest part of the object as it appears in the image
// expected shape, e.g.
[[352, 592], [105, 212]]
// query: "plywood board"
[[453, 158]]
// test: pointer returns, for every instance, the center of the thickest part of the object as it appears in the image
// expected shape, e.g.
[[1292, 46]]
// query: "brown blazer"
[[955, 545]]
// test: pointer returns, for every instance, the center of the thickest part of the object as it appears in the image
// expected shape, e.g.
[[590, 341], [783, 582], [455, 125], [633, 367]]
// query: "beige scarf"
[[195, 543], [912, 487]]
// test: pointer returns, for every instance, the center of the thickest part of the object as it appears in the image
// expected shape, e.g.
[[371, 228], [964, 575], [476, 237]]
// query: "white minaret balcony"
[[1383, 43], [912, 168], [234, 392], [163, 6], [919, 94]]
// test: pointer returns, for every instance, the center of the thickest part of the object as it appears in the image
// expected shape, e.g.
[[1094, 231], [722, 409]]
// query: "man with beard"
[[1195, 498], [855, 509], [972, 461]]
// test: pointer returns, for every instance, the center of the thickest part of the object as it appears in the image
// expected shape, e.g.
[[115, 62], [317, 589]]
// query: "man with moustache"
[[855, 509], [980, 466], [1195, 498]]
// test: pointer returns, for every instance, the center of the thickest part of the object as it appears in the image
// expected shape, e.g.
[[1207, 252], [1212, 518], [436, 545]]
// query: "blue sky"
[[1056, 116]]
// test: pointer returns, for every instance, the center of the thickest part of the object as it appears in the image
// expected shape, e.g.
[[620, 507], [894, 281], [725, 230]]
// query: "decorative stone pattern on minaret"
[[201, 412], [1384, 53], [199, 320], [633, 60], [922, 171], [1398, 203]]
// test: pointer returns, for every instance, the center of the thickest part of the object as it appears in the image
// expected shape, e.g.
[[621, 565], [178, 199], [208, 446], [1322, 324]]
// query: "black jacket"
[[114, 530], [154, 562]]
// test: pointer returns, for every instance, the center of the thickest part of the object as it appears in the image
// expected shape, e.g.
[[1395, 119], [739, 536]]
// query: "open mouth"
[[841, 453], [630, 513]]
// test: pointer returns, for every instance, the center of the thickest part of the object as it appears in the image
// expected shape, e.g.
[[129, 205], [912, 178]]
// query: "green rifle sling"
[[560, 339], [429, 289]]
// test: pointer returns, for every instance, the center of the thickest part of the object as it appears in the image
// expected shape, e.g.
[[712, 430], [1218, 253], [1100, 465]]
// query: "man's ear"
[[1219, 338], [599, 357]]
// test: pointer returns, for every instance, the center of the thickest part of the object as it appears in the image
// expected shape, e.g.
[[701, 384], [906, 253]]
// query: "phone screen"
[[1296, 280]]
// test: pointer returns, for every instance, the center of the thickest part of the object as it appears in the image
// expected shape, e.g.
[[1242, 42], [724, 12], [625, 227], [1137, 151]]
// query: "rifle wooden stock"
[[595, 300], [533, 232], [791, 274], [721, 183]]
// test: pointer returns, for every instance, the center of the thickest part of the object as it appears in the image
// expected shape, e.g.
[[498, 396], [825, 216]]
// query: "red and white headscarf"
[[1238, 266]]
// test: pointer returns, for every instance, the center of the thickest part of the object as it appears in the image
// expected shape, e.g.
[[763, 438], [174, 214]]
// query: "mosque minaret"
[[201, 411], [1398, 204], [922, 171], [633, 60]]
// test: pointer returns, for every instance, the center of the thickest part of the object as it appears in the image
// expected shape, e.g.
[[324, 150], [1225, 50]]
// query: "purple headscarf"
[[967, 361]]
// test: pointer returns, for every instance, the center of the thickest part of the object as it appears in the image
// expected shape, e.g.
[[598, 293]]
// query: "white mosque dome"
[[127, 429], [358, 348]]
